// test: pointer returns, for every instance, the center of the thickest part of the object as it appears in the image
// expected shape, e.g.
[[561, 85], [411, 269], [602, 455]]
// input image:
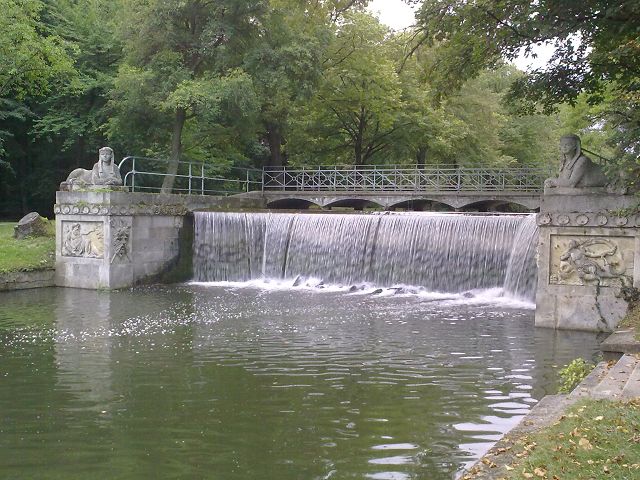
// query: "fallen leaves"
[[585, 444], [540, 472]]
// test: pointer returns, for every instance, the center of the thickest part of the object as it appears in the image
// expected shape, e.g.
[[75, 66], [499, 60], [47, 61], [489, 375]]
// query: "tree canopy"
[[596, 58], [253, 83], [595, 42]]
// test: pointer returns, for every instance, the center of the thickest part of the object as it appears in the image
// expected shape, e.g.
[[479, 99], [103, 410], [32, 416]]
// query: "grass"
[[29, 254], [595, 439]]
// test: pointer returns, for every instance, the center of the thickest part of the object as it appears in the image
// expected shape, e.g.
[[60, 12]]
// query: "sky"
[[394, 13], [398, 15]]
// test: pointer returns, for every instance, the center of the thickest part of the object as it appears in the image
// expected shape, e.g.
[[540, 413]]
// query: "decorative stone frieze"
[[119, 210], [587, 219]]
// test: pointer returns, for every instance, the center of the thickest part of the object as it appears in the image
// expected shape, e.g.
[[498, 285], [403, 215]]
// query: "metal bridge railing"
[[385, 179], [143, 174]]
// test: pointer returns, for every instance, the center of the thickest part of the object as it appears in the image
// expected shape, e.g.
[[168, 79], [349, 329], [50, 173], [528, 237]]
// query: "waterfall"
[[439, 252], [522, 274]]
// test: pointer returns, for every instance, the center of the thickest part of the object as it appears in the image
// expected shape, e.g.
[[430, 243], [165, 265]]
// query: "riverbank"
[[590, 433], [26, 263]]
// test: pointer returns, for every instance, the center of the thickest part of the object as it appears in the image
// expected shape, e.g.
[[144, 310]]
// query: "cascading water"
[[522, 274], [445, 253]]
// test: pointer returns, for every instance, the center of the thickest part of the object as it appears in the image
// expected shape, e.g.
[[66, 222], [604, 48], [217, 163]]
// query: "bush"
[[573, 373]]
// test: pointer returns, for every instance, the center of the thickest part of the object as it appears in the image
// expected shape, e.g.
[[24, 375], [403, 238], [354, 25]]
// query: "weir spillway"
[[435, 252]]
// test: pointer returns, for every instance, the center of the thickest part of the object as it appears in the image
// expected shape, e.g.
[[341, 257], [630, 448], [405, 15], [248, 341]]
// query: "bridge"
[[388, 187]]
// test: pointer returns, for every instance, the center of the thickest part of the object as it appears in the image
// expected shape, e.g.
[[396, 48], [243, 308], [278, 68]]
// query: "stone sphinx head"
[[105, 160], [570, 145], [105, 154]]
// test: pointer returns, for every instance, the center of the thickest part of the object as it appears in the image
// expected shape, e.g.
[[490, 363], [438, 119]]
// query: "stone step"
[[614, 382], [632, 388], [589, 382]]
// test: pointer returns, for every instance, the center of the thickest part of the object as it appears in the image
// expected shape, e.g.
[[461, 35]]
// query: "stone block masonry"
[[115, 239], [587, 255]]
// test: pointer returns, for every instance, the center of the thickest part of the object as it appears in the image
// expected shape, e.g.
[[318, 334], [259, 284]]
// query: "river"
[[265, 381]]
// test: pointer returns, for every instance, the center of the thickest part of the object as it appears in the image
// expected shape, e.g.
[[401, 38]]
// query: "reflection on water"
[[242, 383]]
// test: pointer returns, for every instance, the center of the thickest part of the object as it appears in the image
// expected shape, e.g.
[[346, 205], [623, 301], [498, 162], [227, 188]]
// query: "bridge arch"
[[355, 203], [292, 203], [497, 205], [422, 205]]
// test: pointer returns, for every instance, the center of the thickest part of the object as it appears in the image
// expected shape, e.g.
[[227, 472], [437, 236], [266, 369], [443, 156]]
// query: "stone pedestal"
[[116, 239], [587, 253]]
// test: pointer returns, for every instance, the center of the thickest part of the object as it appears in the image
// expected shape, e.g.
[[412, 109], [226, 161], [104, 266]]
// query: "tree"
[[30, 57], [430, 131], [32, 61], [285, 65], [352, 116], [175, 69], [493, 133], [72, 117], [595, 41]]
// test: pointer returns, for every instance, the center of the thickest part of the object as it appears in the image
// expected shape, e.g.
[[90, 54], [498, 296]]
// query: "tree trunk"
[[274, 137], [176, 150], [357, 150], [421, 156], [359, 138]]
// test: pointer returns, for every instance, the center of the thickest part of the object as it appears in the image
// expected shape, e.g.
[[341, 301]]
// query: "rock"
[[376, 291], [353, 288], [298, 281], [468, 295], [31, 225]]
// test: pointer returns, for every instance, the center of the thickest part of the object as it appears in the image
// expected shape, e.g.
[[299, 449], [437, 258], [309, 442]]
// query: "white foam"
[[491, 296]]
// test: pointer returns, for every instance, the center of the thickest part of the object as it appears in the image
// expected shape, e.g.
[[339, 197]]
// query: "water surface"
[[200, 381]]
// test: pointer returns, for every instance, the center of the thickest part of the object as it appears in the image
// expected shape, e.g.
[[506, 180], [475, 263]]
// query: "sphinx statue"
[[105, 173], [577, 171]]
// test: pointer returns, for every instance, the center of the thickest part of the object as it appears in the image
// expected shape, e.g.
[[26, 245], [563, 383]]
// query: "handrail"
[[192, 180]]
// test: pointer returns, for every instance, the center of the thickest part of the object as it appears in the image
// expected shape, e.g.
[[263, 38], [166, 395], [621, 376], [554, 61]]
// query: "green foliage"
[[596, 44], [30, 57], [286, 65], [573, 373], [594, 40], [28, 254], [354, 113], [176, 76]]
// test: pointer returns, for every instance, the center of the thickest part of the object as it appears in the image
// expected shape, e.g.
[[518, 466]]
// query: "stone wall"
[[587, 253], [117, 239], [25, 280]]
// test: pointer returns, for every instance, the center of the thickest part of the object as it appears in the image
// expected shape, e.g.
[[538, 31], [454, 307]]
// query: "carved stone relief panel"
[[591, 260], [120, 240], [82, 239]]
